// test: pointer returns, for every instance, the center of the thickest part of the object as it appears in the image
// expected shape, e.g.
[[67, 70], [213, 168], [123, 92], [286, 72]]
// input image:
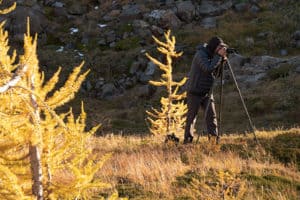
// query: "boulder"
[[60, 12], [110, 36], [150, 70], [249, 41], [130, 82], [156, 31], [242, 7], [265, 61], [170, 20], [140, 24], [254, 9], [99, 83], [56, 4], [164, 18], [209, 22], [131, 12], [145, 91], [76, 8], [112, 15], [296, 35], [185, 10], [237, 60], [143, 78], [212, 8], [283, 52], [108, 90], [134, 67], [17, 21]]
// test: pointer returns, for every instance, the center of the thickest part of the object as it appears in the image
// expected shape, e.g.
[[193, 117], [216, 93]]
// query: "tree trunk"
[[36, 169], [35, 150]]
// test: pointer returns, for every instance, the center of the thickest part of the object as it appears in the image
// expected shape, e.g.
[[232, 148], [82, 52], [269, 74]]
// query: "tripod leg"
[[242, 99], [221, 105]]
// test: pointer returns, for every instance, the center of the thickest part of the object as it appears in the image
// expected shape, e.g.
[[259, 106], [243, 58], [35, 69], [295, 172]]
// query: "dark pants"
[[194, 102]]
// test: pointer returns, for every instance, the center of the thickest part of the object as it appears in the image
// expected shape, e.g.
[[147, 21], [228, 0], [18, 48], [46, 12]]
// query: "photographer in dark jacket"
[[204, 66]]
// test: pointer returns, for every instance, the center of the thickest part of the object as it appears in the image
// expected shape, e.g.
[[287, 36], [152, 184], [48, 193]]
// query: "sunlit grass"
[[148, 168]]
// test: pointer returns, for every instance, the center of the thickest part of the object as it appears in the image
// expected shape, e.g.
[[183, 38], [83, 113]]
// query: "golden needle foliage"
[[169, 119], [28, 118]]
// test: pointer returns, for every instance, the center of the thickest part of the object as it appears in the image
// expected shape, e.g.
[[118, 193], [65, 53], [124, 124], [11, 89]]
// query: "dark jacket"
[[201, 76]]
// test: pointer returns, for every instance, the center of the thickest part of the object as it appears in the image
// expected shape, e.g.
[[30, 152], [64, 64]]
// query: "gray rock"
[[101, 42], [134, 67], [45, 2], [265, 34], [249, 41], [298, 44], [237, 60], [296, 35], [156, 14], [128, 84], [140, 24], [143, 33], [209, 22], [261, 61], [170, 20], [88, 86], [17, 22], [131, 12], [108, 90], [112, 15], [145, 91], [156, 30], [164, 18], [241, 7], [60, 12], [185, 10], [110, 37], [58, 4], [298, 69], [211, 8], [143, 78], [255, 78], [150, 70], [77, 8], [283, 52], [254, 9], [99, 84], [112, 45]]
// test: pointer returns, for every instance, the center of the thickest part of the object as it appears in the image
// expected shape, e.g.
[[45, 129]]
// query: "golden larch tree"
[[43, 155], [170, 118]]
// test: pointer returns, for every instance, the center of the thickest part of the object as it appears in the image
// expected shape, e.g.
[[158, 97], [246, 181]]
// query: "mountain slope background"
[[113, 36]]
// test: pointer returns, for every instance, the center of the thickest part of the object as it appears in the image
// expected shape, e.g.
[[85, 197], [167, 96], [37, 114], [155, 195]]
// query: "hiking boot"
[[188, 140]]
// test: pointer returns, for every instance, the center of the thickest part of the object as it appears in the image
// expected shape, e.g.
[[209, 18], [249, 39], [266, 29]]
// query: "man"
[[204, 66]]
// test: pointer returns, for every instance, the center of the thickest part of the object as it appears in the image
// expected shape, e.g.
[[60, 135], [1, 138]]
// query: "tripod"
[[221, 69]]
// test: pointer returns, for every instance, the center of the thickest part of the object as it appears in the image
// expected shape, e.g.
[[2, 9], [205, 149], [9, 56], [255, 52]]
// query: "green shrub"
[[128, 43], [280, 72]]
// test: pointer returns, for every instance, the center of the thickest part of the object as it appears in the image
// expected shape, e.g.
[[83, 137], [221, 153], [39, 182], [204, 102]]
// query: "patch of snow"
[[102, 25], [73, 30], [61, 49]]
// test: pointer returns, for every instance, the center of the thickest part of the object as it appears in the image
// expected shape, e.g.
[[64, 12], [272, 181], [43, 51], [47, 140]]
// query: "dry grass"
[[154, 168]]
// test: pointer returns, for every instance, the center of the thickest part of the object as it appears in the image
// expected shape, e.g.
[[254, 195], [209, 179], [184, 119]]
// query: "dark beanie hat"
[[213, 44]]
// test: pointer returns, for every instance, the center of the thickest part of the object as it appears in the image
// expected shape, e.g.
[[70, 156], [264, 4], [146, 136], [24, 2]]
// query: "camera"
[[231, 51]]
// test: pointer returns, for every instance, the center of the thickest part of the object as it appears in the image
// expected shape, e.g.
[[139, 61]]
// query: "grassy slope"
[[146, 168]]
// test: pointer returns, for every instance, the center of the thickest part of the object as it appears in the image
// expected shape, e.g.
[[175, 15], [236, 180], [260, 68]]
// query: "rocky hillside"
[[112, 37]]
